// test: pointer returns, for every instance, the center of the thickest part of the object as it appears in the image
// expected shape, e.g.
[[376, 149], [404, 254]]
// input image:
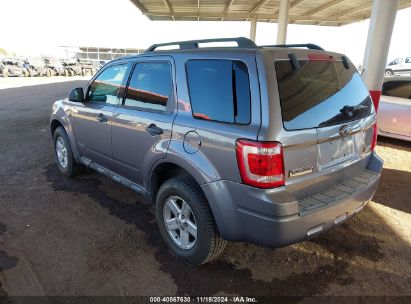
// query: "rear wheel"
[[64, 155], [186, 223], [389, 73]]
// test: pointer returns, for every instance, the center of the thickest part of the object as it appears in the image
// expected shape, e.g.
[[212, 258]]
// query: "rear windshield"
[[320, 94]]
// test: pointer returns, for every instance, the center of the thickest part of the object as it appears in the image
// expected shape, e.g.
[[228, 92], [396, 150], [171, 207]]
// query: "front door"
[[92, 119], [142, 124]]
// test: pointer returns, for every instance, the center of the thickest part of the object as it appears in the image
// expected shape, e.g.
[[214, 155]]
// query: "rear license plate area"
[[336, 151]]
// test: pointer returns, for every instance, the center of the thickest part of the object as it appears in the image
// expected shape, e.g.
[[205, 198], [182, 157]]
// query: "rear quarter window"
[[219, 90]]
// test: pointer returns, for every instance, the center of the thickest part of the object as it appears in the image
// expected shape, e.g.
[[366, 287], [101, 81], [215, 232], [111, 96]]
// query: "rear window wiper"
[[349, 110]]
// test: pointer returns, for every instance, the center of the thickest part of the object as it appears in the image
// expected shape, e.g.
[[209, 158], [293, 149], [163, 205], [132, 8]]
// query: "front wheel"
[[64, 155], [186, 223], [389, 72]]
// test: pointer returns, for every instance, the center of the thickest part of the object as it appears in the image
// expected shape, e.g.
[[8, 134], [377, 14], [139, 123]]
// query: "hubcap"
[[180, 222], [61, 152]]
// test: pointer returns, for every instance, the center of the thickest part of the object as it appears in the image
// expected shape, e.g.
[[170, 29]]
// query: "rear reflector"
[[261, 164], [374, 137]]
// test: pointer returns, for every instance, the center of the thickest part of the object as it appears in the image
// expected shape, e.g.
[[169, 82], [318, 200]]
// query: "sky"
[[38, 27]]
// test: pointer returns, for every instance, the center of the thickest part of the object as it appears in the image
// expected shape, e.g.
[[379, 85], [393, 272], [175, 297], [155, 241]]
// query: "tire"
[[208, 244], [66, 73], [389, 73], [71, 167]]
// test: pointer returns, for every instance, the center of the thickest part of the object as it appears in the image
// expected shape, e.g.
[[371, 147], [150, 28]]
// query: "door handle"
[[101, 118], [154, 130]]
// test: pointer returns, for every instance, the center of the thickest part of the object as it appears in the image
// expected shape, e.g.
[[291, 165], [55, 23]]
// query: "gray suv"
[[270, 145]]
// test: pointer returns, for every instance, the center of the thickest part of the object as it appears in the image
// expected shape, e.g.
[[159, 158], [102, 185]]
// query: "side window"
[[398, 61], [219, 90], [401, 89], [408, 60], [106, 86], [150, 86]]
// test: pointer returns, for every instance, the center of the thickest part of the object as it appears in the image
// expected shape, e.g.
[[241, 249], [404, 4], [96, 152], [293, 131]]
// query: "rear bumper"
[[272, 217]]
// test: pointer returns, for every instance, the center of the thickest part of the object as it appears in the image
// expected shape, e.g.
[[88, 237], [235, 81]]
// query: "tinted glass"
[[401, 89], [320, 93], [106, 86], [242, 93], [150, 86], [219, 90]]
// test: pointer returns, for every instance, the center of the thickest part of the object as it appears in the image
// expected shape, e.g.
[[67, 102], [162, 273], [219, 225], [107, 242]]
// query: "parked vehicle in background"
[[70, 67], [53, 66], [394, 112], [270, 145], [36, 67], [399, 66], [12, 67], [87, 67], [98, 65]]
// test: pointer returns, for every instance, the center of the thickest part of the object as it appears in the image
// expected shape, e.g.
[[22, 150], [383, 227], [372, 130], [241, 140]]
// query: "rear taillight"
[[374, 136], [261, 164]]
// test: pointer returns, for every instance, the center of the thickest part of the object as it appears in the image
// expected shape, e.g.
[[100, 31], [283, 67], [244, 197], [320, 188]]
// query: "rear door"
[[143, 121], [327, 116], [406, 66], [394, 113]]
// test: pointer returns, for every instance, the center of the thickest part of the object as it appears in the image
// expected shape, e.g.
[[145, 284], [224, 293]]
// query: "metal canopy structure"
[[318, 12], [382, 15]]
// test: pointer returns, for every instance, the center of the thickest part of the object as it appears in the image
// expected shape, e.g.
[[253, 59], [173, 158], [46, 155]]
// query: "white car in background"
[[399, 66], [394, 111]]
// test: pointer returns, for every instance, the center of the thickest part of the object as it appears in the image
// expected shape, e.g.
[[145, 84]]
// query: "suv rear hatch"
[[326, 114]]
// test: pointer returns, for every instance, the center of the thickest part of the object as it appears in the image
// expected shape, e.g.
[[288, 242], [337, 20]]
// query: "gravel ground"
[[91, 236]]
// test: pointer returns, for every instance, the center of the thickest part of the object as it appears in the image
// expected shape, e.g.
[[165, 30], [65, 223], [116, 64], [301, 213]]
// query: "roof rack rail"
[[310, 46], [242, 42]]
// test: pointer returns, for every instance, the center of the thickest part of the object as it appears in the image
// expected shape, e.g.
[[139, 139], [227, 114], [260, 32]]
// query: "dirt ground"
[[91, 236]]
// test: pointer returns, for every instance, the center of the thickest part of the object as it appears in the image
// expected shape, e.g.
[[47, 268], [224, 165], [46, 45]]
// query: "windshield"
[[320, 93]]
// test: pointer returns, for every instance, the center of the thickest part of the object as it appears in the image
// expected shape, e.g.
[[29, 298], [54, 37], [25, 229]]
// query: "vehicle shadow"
[[394, 143], [394, 190], [337, 260]]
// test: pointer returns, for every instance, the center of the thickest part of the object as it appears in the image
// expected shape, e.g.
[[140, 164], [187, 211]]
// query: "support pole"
[[378, 43], [283, 21], [253, 28]]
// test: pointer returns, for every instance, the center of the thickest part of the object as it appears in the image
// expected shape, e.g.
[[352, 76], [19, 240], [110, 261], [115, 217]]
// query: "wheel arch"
[[55, 122], [165, 170]]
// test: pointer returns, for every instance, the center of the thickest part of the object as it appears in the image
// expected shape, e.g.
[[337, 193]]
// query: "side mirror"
[[76, 95]]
